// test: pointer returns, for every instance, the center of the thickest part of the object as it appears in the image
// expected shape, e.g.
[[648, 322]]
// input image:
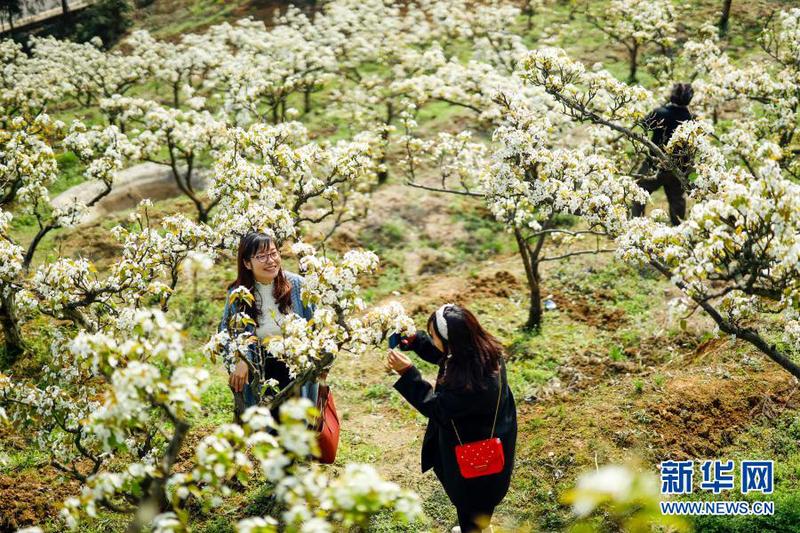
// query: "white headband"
[[441, 323]]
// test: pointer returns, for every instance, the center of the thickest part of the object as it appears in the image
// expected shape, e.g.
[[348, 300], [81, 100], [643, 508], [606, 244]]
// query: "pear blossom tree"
[[27, 83], [418, 55], [529, 180], [378, 49], [27, 171], [270, 167], [637, 25], [115, 414], [94, 73], [264, 68], [176, 138], [734, 255], [529, 185], [186, 68], [764, 92]]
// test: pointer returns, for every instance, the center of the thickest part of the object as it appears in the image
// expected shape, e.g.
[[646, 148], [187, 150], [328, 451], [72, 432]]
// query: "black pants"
[[276, 369], [672, 188], [271, 368], [472, 520]]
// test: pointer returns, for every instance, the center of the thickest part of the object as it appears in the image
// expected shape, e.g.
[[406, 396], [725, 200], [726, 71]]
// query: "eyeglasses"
[[262, 258]]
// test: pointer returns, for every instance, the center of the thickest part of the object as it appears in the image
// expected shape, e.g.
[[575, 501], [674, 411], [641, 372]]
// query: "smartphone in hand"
[[394, 341]]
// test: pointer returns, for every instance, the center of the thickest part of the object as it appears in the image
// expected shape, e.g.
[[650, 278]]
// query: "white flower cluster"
[[528, 181], [104, 150], [27, 161], [739, 245], [763, 91], [638, 22], [379, 323], [273, 179], [595, 92], [334, 284], [11, 254], [241, 452]]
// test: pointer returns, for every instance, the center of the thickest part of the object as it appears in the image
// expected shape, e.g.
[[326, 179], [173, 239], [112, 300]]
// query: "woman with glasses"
[[276, 294]]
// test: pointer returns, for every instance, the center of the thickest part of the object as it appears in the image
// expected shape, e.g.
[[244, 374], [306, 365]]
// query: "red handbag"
[[327, 426], [482, 457]]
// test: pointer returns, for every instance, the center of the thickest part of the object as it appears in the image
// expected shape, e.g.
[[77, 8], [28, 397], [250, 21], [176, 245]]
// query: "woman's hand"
[[398, 362], [407, 343], [238, 378]]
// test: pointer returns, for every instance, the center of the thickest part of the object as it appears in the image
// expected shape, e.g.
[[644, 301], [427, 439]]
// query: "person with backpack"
[[471, 435], [663, 122]]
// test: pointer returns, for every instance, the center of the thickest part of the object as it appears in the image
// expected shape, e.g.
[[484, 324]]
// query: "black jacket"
[[472, 413], [665, 120]]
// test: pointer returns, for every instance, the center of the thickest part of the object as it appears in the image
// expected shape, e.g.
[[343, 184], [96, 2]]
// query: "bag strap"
[[323, 391], [496, 410]]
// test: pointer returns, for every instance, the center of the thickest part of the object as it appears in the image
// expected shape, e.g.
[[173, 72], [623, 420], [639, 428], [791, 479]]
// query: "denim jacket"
[[308, 390]]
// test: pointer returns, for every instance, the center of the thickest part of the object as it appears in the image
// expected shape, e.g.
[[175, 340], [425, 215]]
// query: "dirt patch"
[[343, 240], [697, 415], [30, 498], [590, 367], [185, 460], [434, 262], [501, 284], [441, 290], [587, 311], [462, 290], [269, 10], [426, 216], [94, 243]]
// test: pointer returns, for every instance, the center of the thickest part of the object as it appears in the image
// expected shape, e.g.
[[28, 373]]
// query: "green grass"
[[170, 20], [392, 280], [70, 173], [486, 236]]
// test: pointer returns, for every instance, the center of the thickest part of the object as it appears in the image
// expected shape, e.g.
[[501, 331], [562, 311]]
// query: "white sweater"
[[267, 325]]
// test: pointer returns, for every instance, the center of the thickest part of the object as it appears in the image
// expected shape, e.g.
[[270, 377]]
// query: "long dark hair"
[[249, 245], [475, 353]]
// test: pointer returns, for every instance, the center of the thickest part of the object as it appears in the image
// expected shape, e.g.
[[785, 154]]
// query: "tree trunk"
[[14, 344], [531, 263], [37, 239], [634, 63], [383, 175], [724, 17], [156, 501], [293, 388], [535, 313], [528, 12], [307, 101]]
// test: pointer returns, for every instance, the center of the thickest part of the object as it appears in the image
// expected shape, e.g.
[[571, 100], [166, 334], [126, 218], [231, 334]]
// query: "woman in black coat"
[[464, 403]]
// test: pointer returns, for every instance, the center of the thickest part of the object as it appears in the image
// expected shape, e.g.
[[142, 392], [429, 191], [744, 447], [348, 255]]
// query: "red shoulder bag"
[[482, 457]]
